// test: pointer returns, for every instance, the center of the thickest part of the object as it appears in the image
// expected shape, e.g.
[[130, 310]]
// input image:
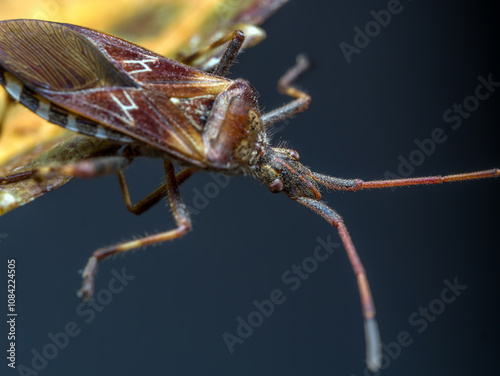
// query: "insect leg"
[[182, 220], [16, 177], [87, 168], [358, 184], [372, 336], [225, 62], [285, 86], [153, 198], [235, 39]]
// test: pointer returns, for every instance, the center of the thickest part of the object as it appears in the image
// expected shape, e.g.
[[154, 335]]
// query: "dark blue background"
[[186, 294]]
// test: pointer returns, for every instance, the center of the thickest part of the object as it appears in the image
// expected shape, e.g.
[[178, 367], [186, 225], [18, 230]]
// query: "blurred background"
[[364, 120]]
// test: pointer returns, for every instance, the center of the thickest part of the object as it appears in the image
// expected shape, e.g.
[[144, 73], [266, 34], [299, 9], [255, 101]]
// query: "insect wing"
[[24, 140], [109, 81], [148, 68]]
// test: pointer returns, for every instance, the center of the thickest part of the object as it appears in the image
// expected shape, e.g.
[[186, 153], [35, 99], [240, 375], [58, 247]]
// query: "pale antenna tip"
[[373, 345]]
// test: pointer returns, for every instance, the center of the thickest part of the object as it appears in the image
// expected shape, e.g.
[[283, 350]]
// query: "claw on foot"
[[88, 273]]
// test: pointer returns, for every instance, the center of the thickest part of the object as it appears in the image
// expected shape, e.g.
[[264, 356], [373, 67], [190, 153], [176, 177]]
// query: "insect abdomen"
[[55, 114]]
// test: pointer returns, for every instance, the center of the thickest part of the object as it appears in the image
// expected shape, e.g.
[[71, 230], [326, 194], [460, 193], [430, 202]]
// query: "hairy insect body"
[[104, 86]]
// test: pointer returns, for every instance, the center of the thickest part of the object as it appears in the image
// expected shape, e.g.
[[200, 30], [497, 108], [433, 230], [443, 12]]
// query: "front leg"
[[153, 198], [182, 220]]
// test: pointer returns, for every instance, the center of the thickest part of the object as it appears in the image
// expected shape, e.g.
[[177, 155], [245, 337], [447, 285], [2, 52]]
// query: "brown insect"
[[102, 86]]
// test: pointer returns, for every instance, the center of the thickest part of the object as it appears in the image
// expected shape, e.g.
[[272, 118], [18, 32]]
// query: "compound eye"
[[276, 186], [294, 154]]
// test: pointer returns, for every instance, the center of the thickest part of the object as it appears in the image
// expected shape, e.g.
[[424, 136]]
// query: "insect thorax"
[[235, 138]]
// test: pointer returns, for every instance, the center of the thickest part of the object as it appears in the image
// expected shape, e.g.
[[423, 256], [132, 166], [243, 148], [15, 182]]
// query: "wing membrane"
[[172, 78], [50, 56]]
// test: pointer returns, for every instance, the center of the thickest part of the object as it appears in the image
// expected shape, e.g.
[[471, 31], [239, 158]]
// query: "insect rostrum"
[[105, 87]]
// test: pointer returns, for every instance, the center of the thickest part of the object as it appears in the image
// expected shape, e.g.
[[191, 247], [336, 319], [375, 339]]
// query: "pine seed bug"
[[105, 87]]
